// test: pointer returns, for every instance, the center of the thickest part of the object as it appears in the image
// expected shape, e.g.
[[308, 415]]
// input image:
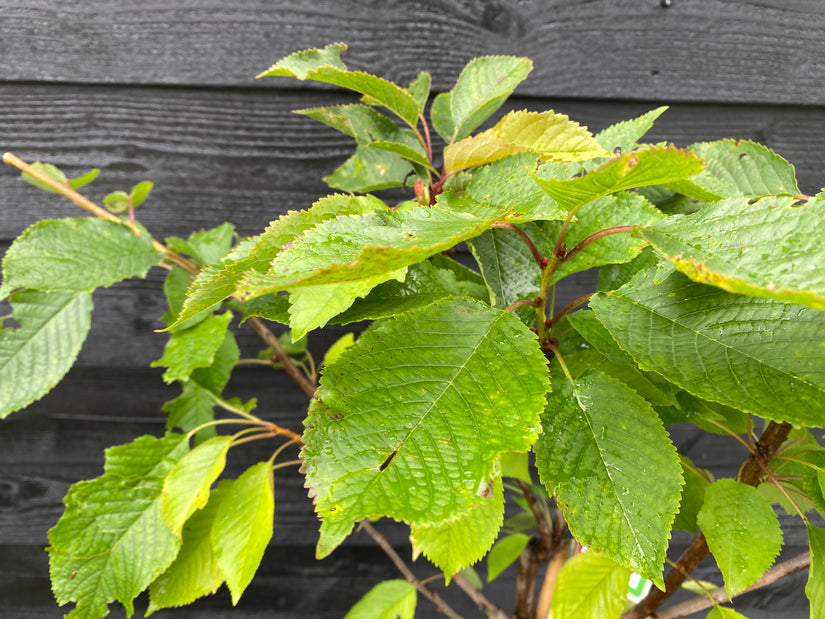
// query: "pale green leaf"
[[356, 248], [337, 349], [419, 88], [186, 487], [77, 255], [515, 465], [625, 135], [653, 166], [243, 527], [370, 169], [194, 572], [720, 612], [117, 202], [206, 246], [606, 455], [36, 355], [84, 179], [391, 599], [459, 543], [815, 589], [140, 192], [325, 66], [744, 168], [505, 553], [111, 542], [393, 430], [477, 150], [50, 170], [590, 585], [756, 355], [483, 86], [742, 532], [314, 306], [193, 348], [768, 248]]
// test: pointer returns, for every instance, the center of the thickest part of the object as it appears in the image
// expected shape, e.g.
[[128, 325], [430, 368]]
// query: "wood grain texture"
[[696, 50]]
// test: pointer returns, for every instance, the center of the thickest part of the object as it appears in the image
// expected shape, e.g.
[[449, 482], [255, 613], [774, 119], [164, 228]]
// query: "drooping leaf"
[[356, 248], [325, 66], [815, 589], [392, 431], [483, 86], [505, 553], [194, 572], [745, 168], [653, 166], [77, 255], [314, 306], [769, 248], [193, 348], [607, 457], [590, 585], [35, 356], [243, 527], [186, 487], [111, 542], [624, 136], [756, 355], [549, 135], [370, 169], [206, 246], [390, 599], [742, 532], [459, 543], [693, 496]]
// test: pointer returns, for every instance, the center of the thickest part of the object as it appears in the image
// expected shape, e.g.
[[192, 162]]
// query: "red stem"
[[596, 235], [541, 260]]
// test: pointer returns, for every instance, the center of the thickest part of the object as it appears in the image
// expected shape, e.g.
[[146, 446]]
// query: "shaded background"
[[165, 91]]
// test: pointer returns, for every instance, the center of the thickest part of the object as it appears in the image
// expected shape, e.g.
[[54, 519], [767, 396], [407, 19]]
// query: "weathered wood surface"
[[689, 50], [164, 91]]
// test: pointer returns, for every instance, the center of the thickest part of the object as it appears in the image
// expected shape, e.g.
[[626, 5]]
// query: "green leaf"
[[606, 455], [83, 179], [423, 285], [432, 458], [215, 376], [654, 166], [600, 214], [337, 349], [186, 487], [483, 86], [744, 168], [515, 465], [217, 282], [391, 599], [205, 246], [509, 182], [693, 496], [243, 527], [272, 307], [720, 612], [742, 532], [35, 356], [111, 543], [370, 169], [756, 355], [77, 255], [459, 543], [193, 348], [192, 408], [590, 585], [624, 136], [769, 248], [140, 192], [314, 306], [50, 170], [325, 66], [505, 553], [815, 589], [117, 202], [357, 248], [195, 571], [550, 135], [419, 88]]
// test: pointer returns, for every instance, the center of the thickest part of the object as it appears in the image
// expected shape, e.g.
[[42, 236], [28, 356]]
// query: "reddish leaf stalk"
[[595, 236], [540, 260], [566, 309]]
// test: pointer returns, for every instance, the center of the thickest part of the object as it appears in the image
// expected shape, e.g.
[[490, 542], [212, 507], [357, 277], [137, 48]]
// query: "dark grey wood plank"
[[714, 50]]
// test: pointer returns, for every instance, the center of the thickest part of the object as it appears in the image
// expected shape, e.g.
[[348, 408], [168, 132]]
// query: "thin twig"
[[431, 595], [595, 236], [566, 309], [269, 338], [489, 609], [549, 585], [720, 596], [544, 527], [522, 303]]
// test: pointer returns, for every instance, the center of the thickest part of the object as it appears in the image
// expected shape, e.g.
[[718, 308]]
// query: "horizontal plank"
[[717, 50]]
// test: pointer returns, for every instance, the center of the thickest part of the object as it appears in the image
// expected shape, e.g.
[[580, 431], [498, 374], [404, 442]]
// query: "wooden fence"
[[165, 91]]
